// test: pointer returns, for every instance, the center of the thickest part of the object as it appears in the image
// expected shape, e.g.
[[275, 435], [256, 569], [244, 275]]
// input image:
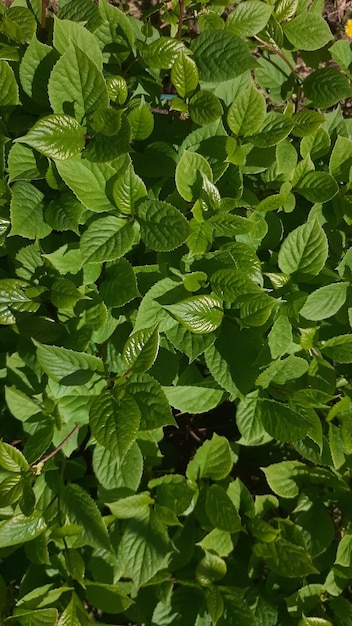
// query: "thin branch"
[[280, 54], [61, 445], [43, 22], [181, 4]]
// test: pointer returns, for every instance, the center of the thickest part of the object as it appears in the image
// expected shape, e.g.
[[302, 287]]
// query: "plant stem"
[[180, 18], [280, 54], [61, 445], [43, 22]]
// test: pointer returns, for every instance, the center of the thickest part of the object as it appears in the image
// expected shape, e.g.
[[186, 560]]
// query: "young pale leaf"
[[16, 296], [77, 86], [338, 348], [81, 509], [193, 399], [249, 18], [212, 460], [114, 423], [324, 302], [163, 227], [304, 250], [152, 401], [75, 174], [67, 366], [199, 314], [128, 189], [220, 56], [307, 122], [26, 211], [8, 86], [307, 31], [106, 239], [143, 548], [221, 511], [67, 32], [141, 349], [247, 112], [59, 137], [20, 529], [184, 75], [205, 108], [189, 171], [281, 422]]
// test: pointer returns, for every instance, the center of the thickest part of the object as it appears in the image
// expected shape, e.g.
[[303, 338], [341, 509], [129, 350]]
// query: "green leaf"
[[64, 213], [248, 111], [109, 598], [81, 509], [190, 344], [12, 459], [20, 405], [229, 284], [205, 108], [324, 302], [214, 64], [141, 349], [40, 617], [317, 186], [151, 312], [64, 293], [285, 558], [35, 69], [115, 35], [25, 163], [114, 423], [212, 460], [112, 474], [228, 225], [141, 120], [281, 422], [20, 529], [275, 128], [338, 348], [27, 211], [341, 159], [16, 296], [74, 614], [307, 122], [59, 137], [193, 399], [19, 24], [163, 227], [75, 174], [221, 511], [307, 31], [67, 32], [143, 548], [210, 568], [106, 239], [282, 371], [249, 18], [119, 284], [325, 87], [66, 366], [274, 76], [255, 309], [117, 89], [305, 250], [152, 402], [85, 11], [102, 148], [128, 189], [76, 86], [280, 337], [162, 53], [215, 604], [184, 75], [132, 506], [199, 314], [249, 423], [189, 171]]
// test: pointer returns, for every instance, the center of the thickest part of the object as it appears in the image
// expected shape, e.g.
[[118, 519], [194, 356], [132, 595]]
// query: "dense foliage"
[[175, 310]]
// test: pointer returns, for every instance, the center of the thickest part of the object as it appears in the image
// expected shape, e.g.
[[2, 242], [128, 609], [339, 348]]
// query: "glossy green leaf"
[[189, 171], [205, 108], [324, 302], [119, 283], [305, 250], [338, 348], [106, 239], [163, 227], [210, 568], [141, 349], [151, 400], [141, 120], [184, 75], [75, 174], [128, 189], [199, 314], [67, 31], [114, 423], [20, 529], [317, 186], [115, 34], [326, 86], [16, 296], [162, 53], [59, 137]]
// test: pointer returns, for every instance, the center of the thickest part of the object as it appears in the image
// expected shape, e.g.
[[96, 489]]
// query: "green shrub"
[[175, 225]]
